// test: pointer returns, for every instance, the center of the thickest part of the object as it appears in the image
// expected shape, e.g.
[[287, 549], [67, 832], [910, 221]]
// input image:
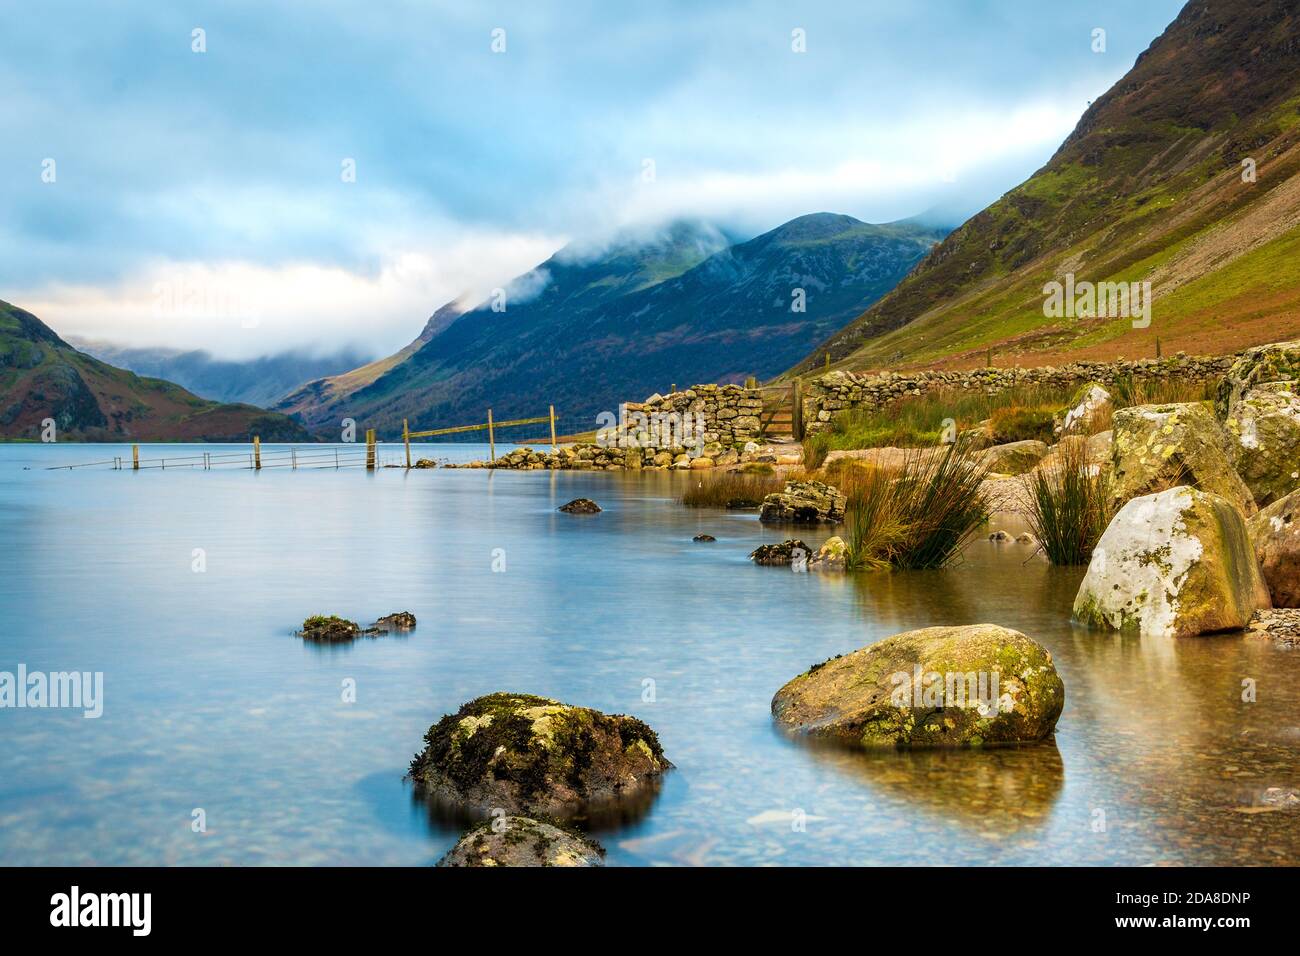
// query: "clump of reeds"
[[1069, 504], [918, 516], [730, 490]]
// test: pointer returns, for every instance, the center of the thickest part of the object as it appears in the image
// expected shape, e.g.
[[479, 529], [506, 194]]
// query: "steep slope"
[[259, 381], [1150, 187], [620, 323], [42, 376]]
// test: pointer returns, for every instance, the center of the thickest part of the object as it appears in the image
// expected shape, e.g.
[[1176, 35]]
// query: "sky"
[[256, 177]]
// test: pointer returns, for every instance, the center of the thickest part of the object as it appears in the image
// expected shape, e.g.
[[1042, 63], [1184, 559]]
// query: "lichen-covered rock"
[[1275, 533], [979, 684], [804, 502], [1089, 405], [1162, 446], [329, 628], [1177, 563], [833, 555], [397, 621], [1277, 362], [533, 755], [522, 841], [1264, 432], [788, 552], [580, 506], [1013, 458]]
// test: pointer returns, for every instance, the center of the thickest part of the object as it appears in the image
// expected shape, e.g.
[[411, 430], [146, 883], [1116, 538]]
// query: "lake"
[[184, 587]]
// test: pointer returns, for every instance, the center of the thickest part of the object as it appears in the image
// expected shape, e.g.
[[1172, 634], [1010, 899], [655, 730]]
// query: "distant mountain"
[[1186, 174], [261, 381], [42, 376], [594, 326]]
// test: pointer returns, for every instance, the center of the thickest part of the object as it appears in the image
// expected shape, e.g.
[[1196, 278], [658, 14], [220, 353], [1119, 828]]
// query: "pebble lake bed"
[[184, 588]]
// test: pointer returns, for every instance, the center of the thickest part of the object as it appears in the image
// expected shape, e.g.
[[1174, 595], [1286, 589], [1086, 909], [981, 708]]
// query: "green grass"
[[919, 516], [1069, 504]]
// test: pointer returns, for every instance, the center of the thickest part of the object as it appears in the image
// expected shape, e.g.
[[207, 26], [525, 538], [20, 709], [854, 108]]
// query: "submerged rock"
[[704, 538], [1160, 446], [580, 506], [533, 755], [329, 628], [935, 687], [397, 621], [804, 502], [521, 841], [425, 463], [999, 536], [1177, 563], [1275, 533], [788, 552], [1264, 429], [831, 556]]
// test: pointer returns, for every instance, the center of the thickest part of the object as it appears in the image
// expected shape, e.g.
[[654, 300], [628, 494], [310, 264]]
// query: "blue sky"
[[214, 179]]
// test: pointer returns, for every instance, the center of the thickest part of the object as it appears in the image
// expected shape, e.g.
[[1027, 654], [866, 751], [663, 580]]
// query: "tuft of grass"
[[731, 490], [918, 516], [1020, 423], [1069, 504]]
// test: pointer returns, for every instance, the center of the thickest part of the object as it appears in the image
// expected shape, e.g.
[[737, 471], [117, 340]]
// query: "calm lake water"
[[211, 703]]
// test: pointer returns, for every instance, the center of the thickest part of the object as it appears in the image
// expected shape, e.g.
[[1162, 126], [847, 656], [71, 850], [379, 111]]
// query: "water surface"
[[211, 703]]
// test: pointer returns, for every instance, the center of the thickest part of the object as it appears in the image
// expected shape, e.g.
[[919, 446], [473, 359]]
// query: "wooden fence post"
[[406, 440], [492, 444], [257, 453], [796, 410], [552, 429], [135, 457], [370, 449]]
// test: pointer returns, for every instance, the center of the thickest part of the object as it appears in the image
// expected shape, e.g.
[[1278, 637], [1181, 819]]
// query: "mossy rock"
[[532, 755], [1264, 432], [1256, 366], [522, 841], [973, 685], [1014, 458], [1177, 564], [580, 506], [329, 628], [397, 621], [1157, 447], [1088, 405], [1275, 534]]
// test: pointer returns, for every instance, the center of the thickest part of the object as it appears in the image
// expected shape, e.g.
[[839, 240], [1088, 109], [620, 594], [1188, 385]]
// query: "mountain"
[[261, 381], [1150, 187], [594, 326], [42, 376]]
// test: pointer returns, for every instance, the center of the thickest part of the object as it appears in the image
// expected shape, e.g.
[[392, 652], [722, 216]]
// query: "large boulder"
[[1013, 458], [1264, 428], [1275, 533], [1177, 563], [1089, 407], [1278, 362], [804, 502], [1163, 446], [521, 841], [975, 685], [536, 756]]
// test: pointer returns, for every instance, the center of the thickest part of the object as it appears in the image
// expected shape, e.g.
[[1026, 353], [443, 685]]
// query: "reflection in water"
[[1001, 789], [607, 815], [210, 702]]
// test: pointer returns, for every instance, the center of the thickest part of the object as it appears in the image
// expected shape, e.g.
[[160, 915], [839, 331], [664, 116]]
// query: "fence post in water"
[[370, 449], [135, 457], [552, 429], [293, 459], [406, 440], [492, 444], [257, 453], [796, 410]]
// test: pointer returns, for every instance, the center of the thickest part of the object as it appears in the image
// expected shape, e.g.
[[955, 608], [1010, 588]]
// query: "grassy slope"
[[41, 376], [1148, 187]]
